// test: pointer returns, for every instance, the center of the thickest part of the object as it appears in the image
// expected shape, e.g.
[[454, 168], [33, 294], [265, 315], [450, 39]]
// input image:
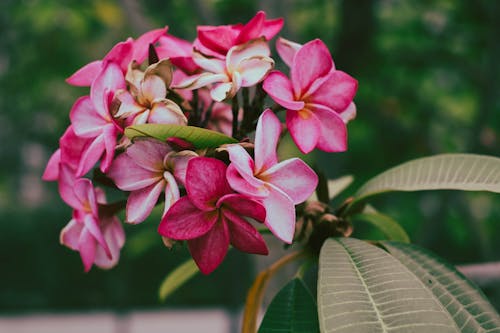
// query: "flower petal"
[[115, 238], [253, 28], [287, 50], [90, 156], [109, 80], [257, 48], [167, 112], [130, 175], [243, 206], [311, 62], [254, 70], [141, 202], [333, 137], [267, 135], [253, 188], [172, 193], [70, 234], [280, 218], [153, 87], [304, 127], [51, 172], [87, 248], [206, 182], [85, 75], [218, 38], [222, 91], [279, 87], [149, 153], [110, 135], [349, 113], [86, 121], [141, 44], [337, 92], [243, 235], [209, 250], [294, 177], [185, 221]]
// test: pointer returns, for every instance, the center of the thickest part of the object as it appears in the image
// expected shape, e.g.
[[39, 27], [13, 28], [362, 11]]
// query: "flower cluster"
[[212, 196]]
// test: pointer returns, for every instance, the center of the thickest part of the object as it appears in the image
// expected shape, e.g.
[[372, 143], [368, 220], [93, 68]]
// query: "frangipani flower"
[[121, 54], [211, 216], [279, 186], [146, 102], [147, 168], [245, 66], [218, 40], [179, 51], [92, 119], [315, 98], [97, 238]]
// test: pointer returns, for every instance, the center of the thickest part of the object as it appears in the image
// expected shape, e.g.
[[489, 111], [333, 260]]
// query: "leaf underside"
[[461, 298], [362, 288], [200, 137], [466, 172], [388, 226], [293, 310]]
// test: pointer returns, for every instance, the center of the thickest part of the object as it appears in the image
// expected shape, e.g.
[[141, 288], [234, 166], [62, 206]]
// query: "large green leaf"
[[362, 288], [462, 299], [199, 137], [448, 171], [177, 278], [293, 310], [389, 227]]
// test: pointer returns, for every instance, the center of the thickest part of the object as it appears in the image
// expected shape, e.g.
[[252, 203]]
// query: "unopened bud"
[[169, 243]]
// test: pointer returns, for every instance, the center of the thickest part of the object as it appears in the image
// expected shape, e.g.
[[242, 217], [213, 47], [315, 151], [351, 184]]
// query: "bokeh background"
[[428, 83]]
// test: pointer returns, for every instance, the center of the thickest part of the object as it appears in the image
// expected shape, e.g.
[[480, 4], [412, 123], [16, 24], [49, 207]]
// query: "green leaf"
[[199, 137], [387, 225], [362, 288], [466, 172], [462, 299], [336, 186], [177, 278], [293, 310]]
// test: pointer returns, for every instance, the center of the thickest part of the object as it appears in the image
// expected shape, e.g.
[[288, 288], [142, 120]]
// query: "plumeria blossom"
[[179, 52], [148, 168], [146, 102], [121, 54], [211, 216], [218, 40], [92, 118], [279, 186], [245, 65], [98, 238], [315, 98]]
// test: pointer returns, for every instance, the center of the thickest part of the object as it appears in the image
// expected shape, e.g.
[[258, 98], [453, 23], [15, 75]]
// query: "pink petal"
[[337, 92], [70, 234], [131, 176], [223, 91], [272, 27], [87, 248], [167, 112], [294, 177], [141, 202], [257, 48], [85, 75], [206, 182], [279, 87], [141, 45], [243, 235], [179, 162], [91, 155], [172, 193], [287, 50], [200, 80], [66, 185], [149, 153], [252, 29], [254, 70], [115, 238], [243, 167], [153, 87], [128, 105], [72, 147], [105, 85], [209, 64], [92, 225], [85, 119], [311, 62], [280, 217], [185, 221], [209, 250], [349, 113], [267, 135], [109, 134], [304, 127], [173, 47], [243, 206], [218, 38], [85, 193], [51, 172], [333, 137], [120, 54]]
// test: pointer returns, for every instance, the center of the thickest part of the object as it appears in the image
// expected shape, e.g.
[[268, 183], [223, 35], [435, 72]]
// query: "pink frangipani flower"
[[217, 40], [97, 238], [245, 66], [279, 186], [92, 119], [315, 98], [147, 168], [211, 216]]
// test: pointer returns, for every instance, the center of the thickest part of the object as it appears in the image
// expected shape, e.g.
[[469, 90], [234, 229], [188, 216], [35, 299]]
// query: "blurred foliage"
[[428, 84]]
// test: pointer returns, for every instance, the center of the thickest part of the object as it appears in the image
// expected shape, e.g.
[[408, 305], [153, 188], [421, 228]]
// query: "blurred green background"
[[428, 83]]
